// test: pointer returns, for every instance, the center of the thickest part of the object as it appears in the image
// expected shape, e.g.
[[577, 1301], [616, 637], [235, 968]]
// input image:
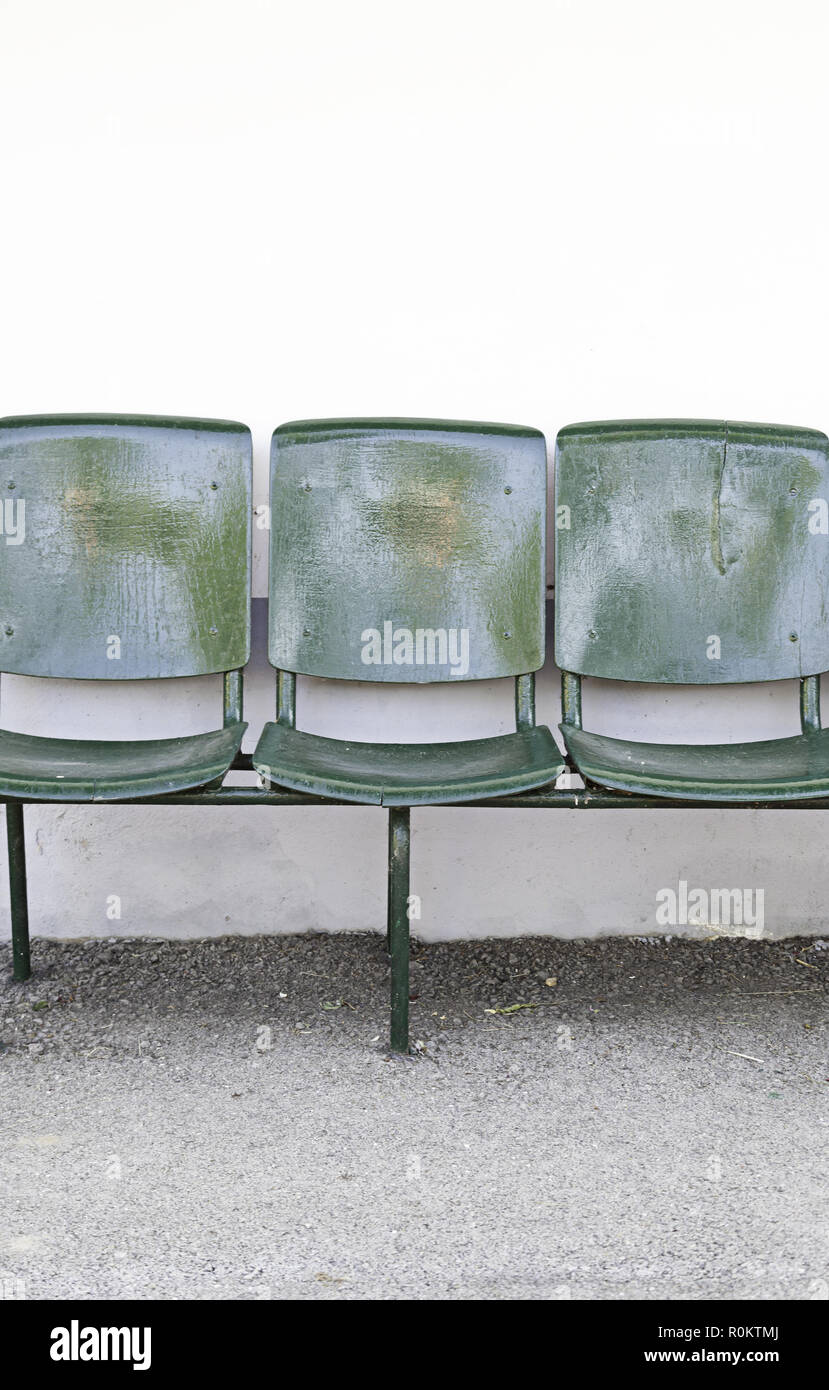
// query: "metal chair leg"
[[21, 962], [398, 925], [389, 882]]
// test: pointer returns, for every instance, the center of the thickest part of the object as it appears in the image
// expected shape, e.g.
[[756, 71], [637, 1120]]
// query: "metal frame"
[[399, 833]]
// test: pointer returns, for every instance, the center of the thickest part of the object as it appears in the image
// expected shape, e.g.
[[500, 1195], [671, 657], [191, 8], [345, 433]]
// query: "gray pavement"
[[220, 1119]]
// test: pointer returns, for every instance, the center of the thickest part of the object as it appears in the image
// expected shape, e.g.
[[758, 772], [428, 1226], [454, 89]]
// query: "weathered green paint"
[[785, 768], [135, 562], [421, 526], [398, 925], [62, 769], [810, 704], [427, 525], [393, 774], [694, 552], [684, 551], [18, 897]]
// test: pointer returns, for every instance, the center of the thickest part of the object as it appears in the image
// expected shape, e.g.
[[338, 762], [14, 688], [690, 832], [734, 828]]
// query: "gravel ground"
[[221, 1119]]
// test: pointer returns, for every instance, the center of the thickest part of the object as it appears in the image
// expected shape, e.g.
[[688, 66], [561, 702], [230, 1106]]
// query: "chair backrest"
[[125, 551], [692, 551], [407, 550]]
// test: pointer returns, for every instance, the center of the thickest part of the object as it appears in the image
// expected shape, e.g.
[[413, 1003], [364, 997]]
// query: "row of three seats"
[[687, 552]]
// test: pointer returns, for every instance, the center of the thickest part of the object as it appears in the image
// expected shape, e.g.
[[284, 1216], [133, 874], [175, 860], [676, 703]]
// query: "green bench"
[[412, 551]]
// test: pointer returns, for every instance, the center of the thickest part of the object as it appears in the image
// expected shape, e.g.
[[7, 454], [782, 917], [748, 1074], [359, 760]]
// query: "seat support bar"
[[810, 704], [398, 925], [233, 697], [558, 798], [21, 963]]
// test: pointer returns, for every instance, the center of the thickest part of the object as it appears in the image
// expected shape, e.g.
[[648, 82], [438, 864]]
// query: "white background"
[[534, 212]]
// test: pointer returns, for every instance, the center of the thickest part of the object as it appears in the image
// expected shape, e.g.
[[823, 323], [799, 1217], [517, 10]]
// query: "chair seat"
[[394, 774], [777, 769], [63, 769]]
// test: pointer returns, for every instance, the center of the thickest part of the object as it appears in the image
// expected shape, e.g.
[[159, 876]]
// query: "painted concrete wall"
[[540, 213]]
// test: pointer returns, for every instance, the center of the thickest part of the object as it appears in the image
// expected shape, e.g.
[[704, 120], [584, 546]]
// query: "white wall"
[[536, 212]]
